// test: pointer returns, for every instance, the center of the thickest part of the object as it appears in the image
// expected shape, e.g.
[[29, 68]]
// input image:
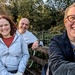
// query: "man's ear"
[[65, 20]]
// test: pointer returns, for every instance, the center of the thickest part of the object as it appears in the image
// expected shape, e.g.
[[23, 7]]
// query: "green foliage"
[[59, 4], [58, 28], [45, 36], [42, 16]]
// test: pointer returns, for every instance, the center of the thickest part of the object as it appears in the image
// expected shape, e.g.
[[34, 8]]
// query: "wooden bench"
[[40, 61]]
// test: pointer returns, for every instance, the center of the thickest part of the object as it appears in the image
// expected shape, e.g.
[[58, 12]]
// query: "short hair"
[[23, 19], [67, 9], [12, 24]]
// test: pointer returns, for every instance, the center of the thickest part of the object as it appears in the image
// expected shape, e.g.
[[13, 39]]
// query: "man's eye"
[[1, 25], [26, 24], [22, 23]]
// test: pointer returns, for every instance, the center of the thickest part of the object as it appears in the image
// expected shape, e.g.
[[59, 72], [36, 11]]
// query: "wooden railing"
[[39, 61]]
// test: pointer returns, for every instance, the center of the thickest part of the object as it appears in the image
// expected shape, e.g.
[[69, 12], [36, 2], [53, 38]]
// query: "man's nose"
[[24, 25]]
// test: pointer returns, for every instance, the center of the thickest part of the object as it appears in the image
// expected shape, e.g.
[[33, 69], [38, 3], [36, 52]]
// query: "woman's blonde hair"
[[67, 9]]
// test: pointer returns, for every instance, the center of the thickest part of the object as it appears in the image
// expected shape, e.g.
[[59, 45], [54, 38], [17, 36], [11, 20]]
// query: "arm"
[[35, 45], [35, 41], [32, 39], [24, 60], [57, 63]]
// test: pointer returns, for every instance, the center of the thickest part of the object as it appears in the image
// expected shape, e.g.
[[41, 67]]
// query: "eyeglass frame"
[[73, 18]]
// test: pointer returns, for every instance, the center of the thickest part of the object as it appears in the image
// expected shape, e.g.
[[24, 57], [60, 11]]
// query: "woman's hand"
[[18, 73]]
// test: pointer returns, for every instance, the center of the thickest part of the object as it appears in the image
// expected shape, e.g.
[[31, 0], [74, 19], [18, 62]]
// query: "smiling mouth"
[[4, 31]]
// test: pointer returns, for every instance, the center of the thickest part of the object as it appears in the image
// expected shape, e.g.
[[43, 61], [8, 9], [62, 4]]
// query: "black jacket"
[[60, 52]]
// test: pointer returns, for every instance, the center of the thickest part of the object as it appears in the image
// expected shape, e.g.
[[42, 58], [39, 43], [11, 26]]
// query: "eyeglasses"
[[71, 18]]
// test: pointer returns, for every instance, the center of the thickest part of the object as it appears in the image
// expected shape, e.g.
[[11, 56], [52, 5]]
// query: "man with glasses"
[[62, 47]]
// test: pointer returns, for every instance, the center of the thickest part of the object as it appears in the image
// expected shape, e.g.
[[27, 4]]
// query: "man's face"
[[69, 22], [23, 25]]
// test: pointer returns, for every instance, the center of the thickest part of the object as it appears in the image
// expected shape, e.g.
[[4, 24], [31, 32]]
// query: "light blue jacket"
[[15, 57]]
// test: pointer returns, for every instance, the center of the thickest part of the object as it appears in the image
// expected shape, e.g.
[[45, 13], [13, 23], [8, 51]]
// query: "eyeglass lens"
[[71, 18]]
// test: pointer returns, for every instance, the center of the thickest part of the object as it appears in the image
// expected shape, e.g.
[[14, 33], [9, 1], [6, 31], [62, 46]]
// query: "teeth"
[[74, 28], [4, 31]]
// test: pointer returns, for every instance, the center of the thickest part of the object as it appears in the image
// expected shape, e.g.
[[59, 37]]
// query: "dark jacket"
[[60, 54]]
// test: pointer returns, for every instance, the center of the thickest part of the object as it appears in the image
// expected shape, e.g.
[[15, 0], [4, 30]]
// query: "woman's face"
[[5, 28]]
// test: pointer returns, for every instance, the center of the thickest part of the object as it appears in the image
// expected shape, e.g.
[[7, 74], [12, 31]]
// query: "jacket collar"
[[68, 46], [16, 36]]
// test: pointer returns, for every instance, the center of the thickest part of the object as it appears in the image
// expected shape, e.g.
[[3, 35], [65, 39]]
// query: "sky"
[[44, 0]]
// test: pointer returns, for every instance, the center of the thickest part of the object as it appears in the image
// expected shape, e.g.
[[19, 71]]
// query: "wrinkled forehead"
[[24, 20]]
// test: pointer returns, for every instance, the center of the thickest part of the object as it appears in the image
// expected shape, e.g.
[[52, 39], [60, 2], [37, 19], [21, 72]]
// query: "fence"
[[46, 36], [39, 56], [38, 61]]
